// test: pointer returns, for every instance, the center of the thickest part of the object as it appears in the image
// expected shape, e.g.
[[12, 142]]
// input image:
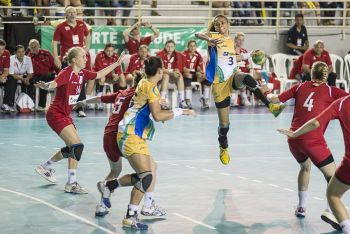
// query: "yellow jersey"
[[136, 120], [222, 59]]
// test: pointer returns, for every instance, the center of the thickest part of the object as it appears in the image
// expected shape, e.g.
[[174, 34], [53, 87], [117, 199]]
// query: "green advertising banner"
[[102, 35]]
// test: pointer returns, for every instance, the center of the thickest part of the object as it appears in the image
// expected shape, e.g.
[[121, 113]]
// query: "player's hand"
[[81, 103], [215, 42], [58, 63], [42, 85], [287, 132], [164, 104], [254, 52], [189, 112]]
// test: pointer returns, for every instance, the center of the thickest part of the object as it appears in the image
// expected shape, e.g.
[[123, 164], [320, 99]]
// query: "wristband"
[[246, 56], [177, 112]]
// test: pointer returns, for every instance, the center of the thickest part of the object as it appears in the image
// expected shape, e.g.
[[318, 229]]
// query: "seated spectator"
[[308, 6], [103, 59], [45, 3], [193, 71], [329, 14], [298, 41], [73, 3], [295, 72], [126, 13], [133, 39], [9, 83], [21, 69], [137, 63], [242, 13], [43, 67], [315, 54], [221, 4], [257, 13], [173, 62], [102, 3]]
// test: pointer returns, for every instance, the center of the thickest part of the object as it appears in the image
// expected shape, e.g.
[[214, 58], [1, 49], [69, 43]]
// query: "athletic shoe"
[[246, 102], [276, 109], [5, 108], [75, 188], [183, 105], [81, 114], [46, 173], [189, 104], [204, 104], [105, 193], [101, 210], [99, 106], [329, 218], [40, 109], [89, 106], [224, 156], [300, 212], [153, 210], [134, 223]]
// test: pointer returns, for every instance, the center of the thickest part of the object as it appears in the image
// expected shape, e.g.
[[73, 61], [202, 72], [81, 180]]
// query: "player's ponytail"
[[152, 64], [319, 72]]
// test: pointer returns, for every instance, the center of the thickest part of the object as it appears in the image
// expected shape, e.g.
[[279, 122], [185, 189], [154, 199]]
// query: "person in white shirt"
[[21, 69]]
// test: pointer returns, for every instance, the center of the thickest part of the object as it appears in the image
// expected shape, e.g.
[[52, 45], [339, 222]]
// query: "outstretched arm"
[[307, 127]]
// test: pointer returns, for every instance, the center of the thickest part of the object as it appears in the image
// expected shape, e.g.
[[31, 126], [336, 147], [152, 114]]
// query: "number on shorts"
[[118, 105], [309, 101], [230, 61]]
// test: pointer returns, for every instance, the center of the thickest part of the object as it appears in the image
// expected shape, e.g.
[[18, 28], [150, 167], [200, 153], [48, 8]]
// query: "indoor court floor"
[[255, 193]]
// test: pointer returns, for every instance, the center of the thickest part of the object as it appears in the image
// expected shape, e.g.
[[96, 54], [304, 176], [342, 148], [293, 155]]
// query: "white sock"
[[148, 199], [233, 98], [99, 94], [244, 96], [132, 209], [182, 95], [206, 92], [72, 176], [47, 164], [188, 94], [302, 198], [345, 226], [164, 94]]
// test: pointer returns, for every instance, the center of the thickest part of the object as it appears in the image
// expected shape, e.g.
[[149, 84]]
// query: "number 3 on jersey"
[[309, 101]]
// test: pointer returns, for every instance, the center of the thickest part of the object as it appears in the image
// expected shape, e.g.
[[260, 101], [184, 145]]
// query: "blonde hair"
[[73, 53], [319, 72], [239, 34]]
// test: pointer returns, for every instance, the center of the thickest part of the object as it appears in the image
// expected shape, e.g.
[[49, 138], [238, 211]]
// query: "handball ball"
[[259, 58]]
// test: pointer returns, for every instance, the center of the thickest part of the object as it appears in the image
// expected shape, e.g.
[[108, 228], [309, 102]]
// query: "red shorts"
[[111, 147], [58, 122], [343, 172], [316, 150]]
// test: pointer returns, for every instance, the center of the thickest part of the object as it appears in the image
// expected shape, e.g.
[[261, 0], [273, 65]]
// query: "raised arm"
[[104, 72], [307, 127], [163, 115], [128, 30]]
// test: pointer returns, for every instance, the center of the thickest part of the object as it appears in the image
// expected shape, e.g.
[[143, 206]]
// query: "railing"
[[205, 12]]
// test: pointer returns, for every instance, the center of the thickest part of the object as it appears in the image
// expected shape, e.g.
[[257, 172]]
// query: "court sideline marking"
[[58, 209]]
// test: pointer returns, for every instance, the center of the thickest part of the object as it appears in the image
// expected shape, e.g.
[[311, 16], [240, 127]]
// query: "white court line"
[[287, 189], [1, 143], [173, 164], [207, 170], [273, 185], [223, 173], [100, 153], [242, 177], [257, 181], [59, 209], [190, 167], [39, 146], [317, 198], [195, 221], [18, 145]]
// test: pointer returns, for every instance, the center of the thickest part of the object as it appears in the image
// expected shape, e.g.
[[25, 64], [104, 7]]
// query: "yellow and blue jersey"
[[137, 119], [222, 61]]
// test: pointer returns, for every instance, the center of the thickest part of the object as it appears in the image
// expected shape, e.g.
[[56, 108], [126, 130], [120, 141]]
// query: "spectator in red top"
[[68, 34], [318, 53], [295, 72], [245, 67], [173, 62], [137, 63], [68, 85], [44, 69], [133, 39], [193, 71], [8, 82]]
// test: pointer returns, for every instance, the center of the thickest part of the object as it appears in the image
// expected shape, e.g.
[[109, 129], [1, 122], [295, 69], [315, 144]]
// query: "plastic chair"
[[339, 70], [347, 68]]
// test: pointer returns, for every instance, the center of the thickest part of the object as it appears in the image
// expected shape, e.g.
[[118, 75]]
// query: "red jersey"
[[309, 57], [102, 61], [4, 61], [244, 64], [88, 62], [175, 61], [133, 45], [70, 37], [339, 109], [297, 67], [68, 89], [310, 101], [135, 64], [43, 63], [120, 100], [193, 62]]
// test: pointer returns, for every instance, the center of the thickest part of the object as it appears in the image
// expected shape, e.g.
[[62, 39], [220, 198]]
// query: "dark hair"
[[2, 42], [152, 64], [211, 26], [18, 47], [299, 15], [137, 79], [191, 41], [109, 45], [169, 41]]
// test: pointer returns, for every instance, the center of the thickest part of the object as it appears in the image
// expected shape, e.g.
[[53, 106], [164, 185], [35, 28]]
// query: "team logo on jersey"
[[225, 54]]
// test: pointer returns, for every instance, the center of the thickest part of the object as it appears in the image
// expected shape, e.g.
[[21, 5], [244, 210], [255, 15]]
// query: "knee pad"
[[222, 131], [187, 82], [206, 83], [73, 151], [144, 181], [249, 81]]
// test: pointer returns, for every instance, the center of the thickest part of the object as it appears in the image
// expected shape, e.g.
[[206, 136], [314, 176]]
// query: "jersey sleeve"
[[289, 37], [330, 113], [288, 94], [328, 60], [147, 40], [307, 58], [62, 78], [57, 34], [7, 60], [109, 98], [338, 93], [89, 75], [153, 94]]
